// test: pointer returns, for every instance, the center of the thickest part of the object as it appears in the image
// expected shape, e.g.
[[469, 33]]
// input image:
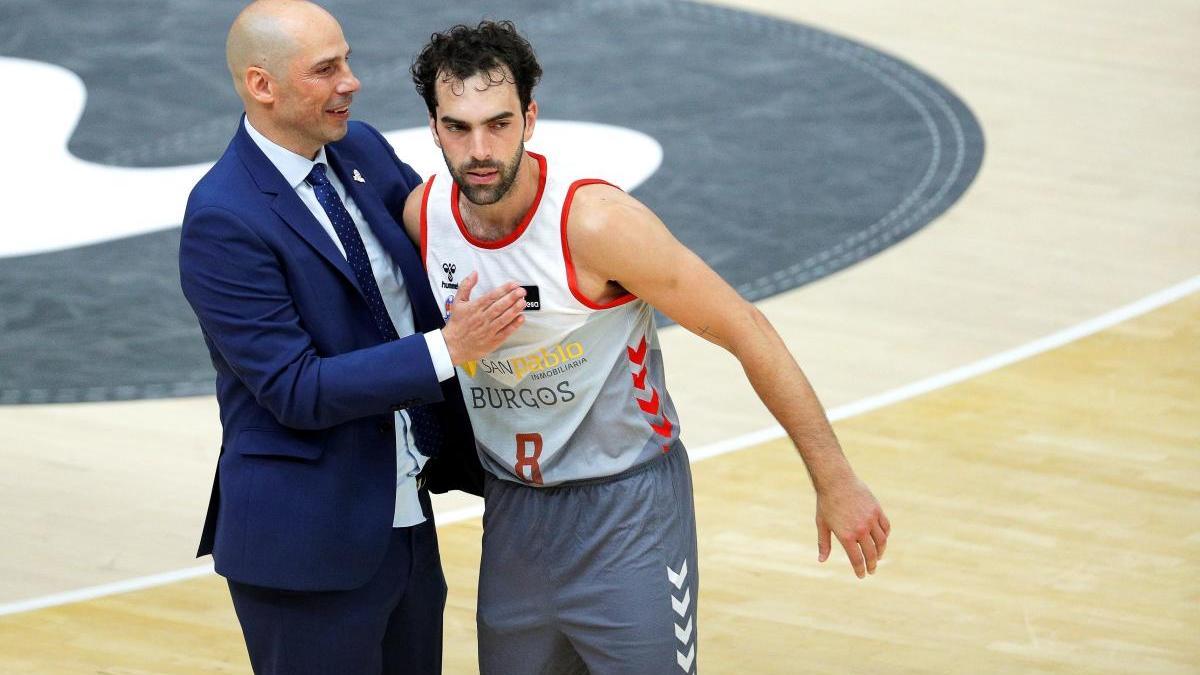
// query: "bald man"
[[333, 365]]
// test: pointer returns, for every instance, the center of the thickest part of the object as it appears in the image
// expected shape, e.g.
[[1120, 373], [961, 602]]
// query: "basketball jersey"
[[578, 391]]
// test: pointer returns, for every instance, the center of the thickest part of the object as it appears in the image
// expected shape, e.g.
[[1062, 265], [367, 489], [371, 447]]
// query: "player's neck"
[[497, 221]]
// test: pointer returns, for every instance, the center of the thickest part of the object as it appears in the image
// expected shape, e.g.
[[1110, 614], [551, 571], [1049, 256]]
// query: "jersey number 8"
[[529, 449]]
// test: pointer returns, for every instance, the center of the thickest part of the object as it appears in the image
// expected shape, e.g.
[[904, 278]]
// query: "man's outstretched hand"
[[476, 327]]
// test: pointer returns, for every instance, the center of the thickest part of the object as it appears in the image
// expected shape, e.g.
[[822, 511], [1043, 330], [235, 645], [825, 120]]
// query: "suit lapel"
[[390, 235], [288, 205], [296, 214]]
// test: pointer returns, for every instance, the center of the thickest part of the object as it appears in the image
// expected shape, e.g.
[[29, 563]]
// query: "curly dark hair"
[[463, 52]]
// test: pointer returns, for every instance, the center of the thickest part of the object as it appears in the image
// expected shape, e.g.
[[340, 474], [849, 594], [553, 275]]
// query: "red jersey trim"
[[566, 249], [520, 229], [425, 222]]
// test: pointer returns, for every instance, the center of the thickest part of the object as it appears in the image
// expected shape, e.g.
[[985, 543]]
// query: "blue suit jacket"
[[305, 490]]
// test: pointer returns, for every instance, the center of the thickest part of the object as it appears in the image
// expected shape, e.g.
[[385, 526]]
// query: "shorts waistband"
[[631, 471]]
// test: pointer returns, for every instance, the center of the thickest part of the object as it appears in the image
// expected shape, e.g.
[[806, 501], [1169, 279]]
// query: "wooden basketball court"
[[1046, 513]]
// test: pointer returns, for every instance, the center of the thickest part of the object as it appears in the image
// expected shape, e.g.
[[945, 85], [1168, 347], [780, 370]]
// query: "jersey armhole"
[[425, 222], [566, 250]]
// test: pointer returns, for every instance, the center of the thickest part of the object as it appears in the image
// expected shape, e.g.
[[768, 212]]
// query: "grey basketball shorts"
[[595, 577]]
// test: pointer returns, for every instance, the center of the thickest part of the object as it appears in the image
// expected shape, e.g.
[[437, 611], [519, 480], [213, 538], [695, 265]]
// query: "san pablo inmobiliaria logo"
[[541, 365], [545, 362]]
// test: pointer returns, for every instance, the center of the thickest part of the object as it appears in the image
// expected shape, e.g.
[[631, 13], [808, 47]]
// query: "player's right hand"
[[476, 327], [847, 510]]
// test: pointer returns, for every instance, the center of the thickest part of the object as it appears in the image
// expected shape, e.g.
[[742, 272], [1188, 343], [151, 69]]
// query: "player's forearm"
[[784, 389]]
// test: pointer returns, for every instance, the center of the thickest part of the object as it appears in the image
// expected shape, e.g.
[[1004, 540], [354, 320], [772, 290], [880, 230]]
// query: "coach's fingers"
[[514, 308], [501, 300], [511, 328], [463, 294]]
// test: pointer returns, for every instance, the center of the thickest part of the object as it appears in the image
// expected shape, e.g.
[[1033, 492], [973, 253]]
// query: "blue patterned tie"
[[356, 253], [426, 432]]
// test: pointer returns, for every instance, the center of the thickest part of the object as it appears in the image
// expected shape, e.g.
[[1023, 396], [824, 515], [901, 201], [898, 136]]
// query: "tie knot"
[[317, 175]]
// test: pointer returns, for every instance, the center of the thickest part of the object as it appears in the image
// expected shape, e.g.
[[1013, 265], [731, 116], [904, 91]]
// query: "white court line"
[[1076, 332], [1147, 304], [93, 592]]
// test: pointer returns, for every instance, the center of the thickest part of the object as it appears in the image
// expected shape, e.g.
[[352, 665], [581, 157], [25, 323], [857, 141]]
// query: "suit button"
[[386, 427]]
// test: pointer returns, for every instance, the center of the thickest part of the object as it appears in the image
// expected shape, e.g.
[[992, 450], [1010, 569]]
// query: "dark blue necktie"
[[425, 430], [352, 243]]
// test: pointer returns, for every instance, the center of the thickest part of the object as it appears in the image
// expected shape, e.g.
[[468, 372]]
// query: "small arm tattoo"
[[709, 335]]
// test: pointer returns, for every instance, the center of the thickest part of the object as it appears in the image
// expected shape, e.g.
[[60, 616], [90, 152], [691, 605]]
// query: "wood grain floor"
[[1046, 514], [1047, 520]]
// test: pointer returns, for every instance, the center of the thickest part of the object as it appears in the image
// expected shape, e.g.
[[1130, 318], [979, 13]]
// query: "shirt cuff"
[[440, 353]]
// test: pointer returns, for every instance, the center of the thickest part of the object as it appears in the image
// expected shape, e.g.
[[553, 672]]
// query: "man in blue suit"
[[333, 365]]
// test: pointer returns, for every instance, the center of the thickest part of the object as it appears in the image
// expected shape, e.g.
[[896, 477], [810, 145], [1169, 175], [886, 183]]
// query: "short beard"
[[483, 195]]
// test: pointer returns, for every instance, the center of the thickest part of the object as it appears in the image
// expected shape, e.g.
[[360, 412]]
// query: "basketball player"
[[589, 545]]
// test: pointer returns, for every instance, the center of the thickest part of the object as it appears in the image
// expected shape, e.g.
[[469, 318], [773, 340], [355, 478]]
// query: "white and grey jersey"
[[578, 392]]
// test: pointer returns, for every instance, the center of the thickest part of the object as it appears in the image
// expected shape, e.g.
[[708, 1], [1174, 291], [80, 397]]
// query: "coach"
[[333, 365]]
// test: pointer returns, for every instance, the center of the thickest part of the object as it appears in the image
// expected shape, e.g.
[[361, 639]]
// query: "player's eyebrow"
[[446, 119]]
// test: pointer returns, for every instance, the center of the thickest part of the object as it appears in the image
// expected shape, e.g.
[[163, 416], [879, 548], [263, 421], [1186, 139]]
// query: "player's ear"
[[530, 118]]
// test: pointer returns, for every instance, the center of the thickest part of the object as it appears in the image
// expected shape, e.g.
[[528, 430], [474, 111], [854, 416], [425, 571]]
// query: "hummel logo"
[[685, 661], [449, 268], [684, 633], [681, 605], [677, 578]]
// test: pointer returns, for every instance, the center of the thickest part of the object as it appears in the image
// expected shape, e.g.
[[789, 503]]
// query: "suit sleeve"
[[235, 285]]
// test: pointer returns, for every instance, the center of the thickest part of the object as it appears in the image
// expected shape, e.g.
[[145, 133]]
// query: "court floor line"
[[1044, 344], [924, 386]]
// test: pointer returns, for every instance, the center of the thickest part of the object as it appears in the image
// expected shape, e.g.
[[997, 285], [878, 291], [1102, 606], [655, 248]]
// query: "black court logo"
[[916, 141]]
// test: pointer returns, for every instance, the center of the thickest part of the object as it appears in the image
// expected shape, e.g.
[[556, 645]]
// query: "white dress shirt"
[[295, 168]]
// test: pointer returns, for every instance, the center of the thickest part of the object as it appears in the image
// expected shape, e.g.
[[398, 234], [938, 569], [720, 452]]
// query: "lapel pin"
[[358, 177]]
